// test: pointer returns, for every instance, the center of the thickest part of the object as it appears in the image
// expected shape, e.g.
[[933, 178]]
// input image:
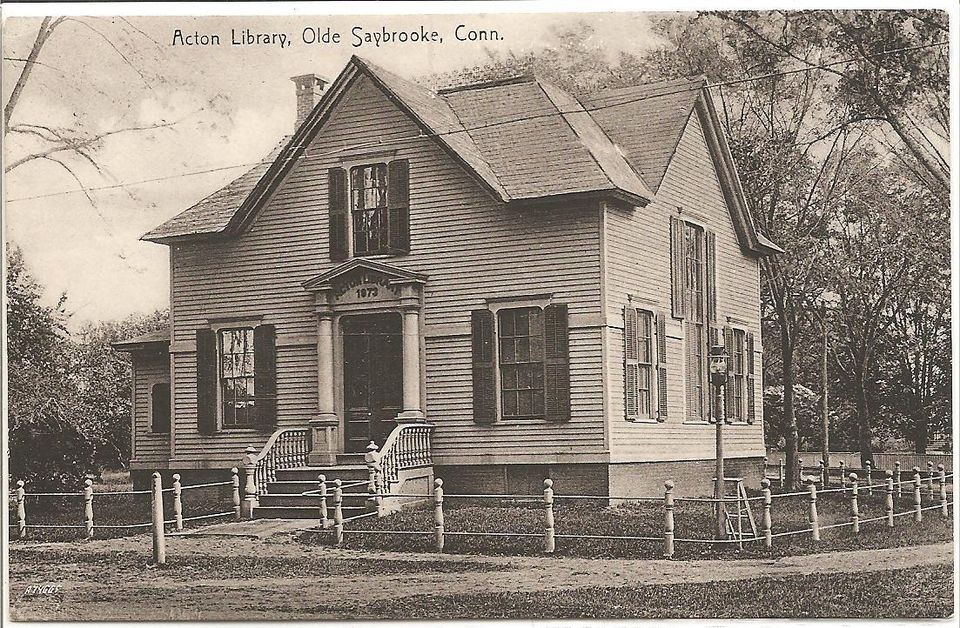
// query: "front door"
[[372, 378]]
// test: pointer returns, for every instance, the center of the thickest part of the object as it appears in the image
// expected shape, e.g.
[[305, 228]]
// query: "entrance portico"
[[357, 354]]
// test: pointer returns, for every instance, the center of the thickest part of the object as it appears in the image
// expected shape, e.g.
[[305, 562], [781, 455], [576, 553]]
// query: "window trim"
[[495, 304], [704, 323], [365, 158], [351, 211], [217, 326]]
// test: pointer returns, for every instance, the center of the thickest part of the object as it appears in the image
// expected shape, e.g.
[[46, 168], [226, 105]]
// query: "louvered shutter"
[[556, 363], [160, 408], [338, 213], [398, 202], [207, 381], [630, 363], [711, 241], [713, 400], [751, 379], [661, 327], [484, 367], [730, 406], [677, 267], [265, 376]]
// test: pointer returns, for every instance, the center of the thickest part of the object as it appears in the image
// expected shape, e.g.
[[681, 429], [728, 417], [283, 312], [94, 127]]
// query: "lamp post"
[[825, 300], [718, 378]]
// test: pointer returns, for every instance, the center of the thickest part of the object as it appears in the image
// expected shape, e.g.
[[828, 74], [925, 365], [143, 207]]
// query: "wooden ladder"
[[734, 519]]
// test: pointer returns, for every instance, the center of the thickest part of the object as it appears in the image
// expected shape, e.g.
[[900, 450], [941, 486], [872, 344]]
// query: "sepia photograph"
[[427, 312]]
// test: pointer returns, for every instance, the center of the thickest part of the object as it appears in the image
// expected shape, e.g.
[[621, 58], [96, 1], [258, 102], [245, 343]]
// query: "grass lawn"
[[917, 592], [692, 520], [111, 510]]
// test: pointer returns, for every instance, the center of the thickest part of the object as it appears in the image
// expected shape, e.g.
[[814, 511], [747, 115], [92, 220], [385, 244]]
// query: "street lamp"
[[825, 300], [718, 378]]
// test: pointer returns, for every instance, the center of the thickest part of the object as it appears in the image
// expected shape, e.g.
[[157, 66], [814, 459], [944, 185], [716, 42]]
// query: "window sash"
[[521, 362], [738, 375], [236, 377], [368, 208], [640, 374]]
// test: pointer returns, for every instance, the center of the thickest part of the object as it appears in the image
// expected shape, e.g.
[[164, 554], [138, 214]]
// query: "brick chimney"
[[309, 89]]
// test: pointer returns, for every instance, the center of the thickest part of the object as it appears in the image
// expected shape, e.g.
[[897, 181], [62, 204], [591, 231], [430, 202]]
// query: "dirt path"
[[212, 581]]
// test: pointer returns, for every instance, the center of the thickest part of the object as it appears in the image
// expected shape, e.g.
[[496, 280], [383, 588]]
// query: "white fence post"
[[668, 518], [22, 509], [814, 519], [338, 511], [235, 482], [159, 540], [549, 540], [930, 490], [917, 510], [782, 473], [854, 507], [324, 520], [824, 474], [943, 491], [177, 503], [889, 504], [250, 498], [869, 478], [438, 513], [843, 475], [767, 521], [88, 506], [896, 478]]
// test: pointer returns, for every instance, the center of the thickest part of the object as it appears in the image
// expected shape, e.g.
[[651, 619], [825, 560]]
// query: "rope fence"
[[169, 499], [922, 491]]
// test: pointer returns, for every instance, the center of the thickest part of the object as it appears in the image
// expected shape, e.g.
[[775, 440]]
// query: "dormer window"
[[369, 209]]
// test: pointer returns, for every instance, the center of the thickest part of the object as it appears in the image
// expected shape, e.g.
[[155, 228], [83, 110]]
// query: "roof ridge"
[[508, 80]]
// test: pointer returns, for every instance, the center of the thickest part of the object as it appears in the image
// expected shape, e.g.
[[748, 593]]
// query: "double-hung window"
[[368, 209], [236, 375], [696, 324], [737, 381], [521, 362], [645, 375]]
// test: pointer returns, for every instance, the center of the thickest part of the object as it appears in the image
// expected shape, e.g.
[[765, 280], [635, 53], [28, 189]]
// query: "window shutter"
[[677, 266], [206, 381], [711, 240], [484, 367], [661, 366], [751, 407], [630, 365], [713, 401], [265, 376], [556, 363], [160, 408], [730, 407], [338, 213], [398, 202]]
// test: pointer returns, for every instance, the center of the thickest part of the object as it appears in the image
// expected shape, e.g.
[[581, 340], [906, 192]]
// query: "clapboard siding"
[[470, 247], [637, 263], [148, 370]]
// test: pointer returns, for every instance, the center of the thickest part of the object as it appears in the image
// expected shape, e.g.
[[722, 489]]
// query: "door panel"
[[372, 378]]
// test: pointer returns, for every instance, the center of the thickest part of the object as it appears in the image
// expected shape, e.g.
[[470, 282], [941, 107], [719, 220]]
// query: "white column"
[[324, 425], [411, 366]]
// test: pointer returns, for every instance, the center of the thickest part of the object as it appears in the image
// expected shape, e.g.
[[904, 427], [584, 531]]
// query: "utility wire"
[[421, 135]]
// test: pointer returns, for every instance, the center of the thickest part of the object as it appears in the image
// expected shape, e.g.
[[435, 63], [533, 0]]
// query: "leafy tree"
[[46, 447]]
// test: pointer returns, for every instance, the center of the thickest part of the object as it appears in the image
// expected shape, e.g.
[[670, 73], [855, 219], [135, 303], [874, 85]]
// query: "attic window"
[[368, 208]]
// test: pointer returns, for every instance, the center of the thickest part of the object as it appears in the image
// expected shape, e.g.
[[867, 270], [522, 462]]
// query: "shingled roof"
[[522, 139]]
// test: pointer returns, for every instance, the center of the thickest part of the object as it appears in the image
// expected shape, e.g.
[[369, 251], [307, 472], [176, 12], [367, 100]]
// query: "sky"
[[231, 105]]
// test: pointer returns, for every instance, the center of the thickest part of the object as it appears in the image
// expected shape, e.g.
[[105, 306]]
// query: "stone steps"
[[283, 498]]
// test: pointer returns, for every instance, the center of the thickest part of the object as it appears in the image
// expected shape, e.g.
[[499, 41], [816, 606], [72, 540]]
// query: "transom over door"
[[372, 378]]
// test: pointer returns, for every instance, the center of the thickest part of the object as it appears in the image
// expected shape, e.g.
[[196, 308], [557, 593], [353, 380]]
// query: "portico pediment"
[[362, 281]]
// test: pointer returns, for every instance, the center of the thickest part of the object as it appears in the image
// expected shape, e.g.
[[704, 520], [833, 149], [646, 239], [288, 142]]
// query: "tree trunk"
[[864, 428], [921, 435], [789, 417]]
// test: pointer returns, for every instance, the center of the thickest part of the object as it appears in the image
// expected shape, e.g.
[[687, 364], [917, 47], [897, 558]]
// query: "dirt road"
[[278, 578]]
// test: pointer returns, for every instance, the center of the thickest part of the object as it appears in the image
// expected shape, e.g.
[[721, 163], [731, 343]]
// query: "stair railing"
[[287, 448], [407, 447]]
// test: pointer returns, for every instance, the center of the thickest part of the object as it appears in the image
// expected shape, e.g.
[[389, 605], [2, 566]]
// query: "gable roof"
[[521, 139]]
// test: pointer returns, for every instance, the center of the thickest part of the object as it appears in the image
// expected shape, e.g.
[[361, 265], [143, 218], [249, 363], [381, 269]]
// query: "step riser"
[[310, 475], [275, 512], [359, 501]]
